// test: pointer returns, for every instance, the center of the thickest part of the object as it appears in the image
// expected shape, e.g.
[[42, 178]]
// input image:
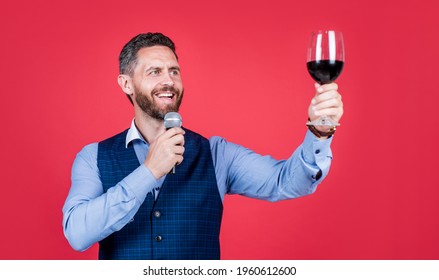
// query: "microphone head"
[[172, 119]]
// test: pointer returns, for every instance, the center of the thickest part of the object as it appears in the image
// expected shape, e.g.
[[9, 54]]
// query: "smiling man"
[[123, 194]]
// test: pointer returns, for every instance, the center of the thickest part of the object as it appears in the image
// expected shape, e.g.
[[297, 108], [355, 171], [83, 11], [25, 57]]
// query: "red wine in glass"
[[325, 60], [325, 71]]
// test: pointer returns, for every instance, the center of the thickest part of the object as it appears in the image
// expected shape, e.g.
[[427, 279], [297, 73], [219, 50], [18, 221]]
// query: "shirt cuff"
[[316, 150], [141, 182]]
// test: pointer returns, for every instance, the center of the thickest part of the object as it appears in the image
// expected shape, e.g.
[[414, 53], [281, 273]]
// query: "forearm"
[[89, 215], [88, 220], [266, 178], [306, 168]]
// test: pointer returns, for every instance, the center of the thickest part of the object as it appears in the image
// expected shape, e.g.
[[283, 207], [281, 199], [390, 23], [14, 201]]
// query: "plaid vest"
[[183, 222]]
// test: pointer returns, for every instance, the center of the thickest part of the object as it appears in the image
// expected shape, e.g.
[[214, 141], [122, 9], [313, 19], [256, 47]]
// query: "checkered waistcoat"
[[183, 222]]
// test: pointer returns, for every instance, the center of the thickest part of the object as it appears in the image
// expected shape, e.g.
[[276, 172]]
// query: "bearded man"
[[123, 194]]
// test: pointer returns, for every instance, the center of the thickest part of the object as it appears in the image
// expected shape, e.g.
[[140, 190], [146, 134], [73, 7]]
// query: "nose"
[[167, 80]]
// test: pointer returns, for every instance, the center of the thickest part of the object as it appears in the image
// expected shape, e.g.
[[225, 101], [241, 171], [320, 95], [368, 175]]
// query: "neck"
[[149, 127]]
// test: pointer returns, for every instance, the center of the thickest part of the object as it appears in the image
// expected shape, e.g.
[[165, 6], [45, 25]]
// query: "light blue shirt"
[[90, 215]]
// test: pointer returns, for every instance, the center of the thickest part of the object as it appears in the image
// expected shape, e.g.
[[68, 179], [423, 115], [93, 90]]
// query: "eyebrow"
[[159, 68], [152, 68], [174, 68]]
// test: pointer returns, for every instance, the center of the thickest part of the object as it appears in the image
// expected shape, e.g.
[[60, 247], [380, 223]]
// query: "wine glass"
[[325, 60]]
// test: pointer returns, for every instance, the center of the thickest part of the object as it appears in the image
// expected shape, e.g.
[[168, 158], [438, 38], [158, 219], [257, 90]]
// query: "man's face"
[[158, 88]]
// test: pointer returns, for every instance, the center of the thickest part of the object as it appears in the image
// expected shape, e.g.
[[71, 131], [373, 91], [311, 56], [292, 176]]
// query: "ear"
[[125, 84]]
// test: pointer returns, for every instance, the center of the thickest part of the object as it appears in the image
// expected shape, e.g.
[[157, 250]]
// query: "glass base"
[[323, 121]]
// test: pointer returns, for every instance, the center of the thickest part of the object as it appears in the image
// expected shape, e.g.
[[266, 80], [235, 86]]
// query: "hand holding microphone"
[[173, 119], [167, 150]]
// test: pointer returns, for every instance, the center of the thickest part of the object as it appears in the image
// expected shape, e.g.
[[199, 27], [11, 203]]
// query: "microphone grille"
[[172, 119]]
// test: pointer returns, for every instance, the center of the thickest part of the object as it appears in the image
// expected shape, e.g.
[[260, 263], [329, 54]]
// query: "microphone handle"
[[172, 119], [173, 168]]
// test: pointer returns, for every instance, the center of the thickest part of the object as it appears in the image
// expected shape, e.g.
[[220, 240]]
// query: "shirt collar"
[[133, 134]]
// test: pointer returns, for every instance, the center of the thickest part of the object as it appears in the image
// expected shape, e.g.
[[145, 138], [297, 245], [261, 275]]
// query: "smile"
[[165, 95]]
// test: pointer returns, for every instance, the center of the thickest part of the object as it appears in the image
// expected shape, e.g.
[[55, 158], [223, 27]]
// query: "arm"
[[263, 177], [253, 175], [89, 215]]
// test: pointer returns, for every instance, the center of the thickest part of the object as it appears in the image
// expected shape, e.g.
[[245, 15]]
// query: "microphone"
[[172, 119]]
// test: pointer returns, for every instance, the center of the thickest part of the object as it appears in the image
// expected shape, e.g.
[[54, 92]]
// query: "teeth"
[[165, 95]]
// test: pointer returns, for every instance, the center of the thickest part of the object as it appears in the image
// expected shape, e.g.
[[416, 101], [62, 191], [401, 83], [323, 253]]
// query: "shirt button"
[[317, 151], [158, 238], [157, 214]]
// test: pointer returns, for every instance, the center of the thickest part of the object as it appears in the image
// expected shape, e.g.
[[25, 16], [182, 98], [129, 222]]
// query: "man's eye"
[[175, 72], [153, 72]]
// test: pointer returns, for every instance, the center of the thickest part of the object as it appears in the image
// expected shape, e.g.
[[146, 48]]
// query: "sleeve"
[[250, 174], [89, 215]]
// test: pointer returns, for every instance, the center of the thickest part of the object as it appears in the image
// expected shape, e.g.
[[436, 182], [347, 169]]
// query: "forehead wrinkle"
[[157, 55]]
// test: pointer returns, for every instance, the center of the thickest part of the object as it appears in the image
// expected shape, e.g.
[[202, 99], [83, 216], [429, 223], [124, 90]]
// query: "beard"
[[150, 107]]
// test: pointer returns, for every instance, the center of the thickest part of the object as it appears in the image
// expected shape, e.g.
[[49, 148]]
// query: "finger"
[[177, 139], [326, 87], [331, 102], [334, 113], [173, 136], [178, 159], [178, 150], [174, 131], [319, 98]]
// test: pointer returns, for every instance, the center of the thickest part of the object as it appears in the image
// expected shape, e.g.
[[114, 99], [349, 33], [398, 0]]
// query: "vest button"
[[157, 214], [158, 238]]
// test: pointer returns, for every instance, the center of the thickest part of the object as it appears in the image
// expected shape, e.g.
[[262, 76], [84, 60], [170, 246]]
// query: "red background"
[[243, 66]]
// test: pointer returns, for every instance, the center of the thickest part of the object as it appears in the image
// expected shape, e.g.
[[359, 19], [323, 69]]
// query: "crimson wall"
[[243, 66]]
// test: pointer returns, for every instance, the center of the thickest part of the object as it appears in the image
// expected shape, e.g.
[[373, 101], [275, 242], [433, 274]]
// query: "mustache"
[[166, 88]]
